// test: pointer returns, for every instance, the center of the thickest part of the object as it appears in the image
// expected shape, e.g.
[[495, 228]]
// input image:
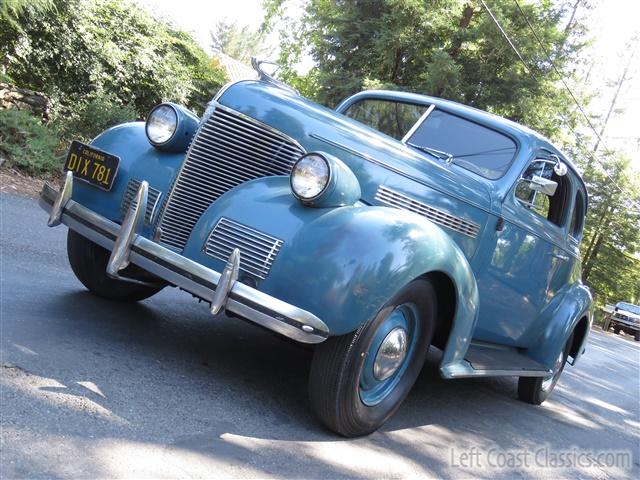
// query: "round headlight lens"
[[310, 176], [161, 124]]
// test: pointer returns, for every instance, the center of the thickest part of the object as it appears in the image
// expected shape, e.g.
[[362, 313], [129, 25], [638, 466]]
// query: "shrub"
[[27, 143], [89, 118]]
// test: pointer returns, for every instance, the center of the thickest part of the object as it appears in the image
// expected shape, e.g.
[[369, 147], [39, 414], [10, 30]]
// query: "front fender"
[[138, 159], [342, 264]]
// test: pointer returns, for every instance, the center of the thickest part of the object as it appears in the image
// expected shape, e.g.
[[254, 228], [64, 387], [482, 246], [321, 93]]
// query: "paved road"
[[159, 389]]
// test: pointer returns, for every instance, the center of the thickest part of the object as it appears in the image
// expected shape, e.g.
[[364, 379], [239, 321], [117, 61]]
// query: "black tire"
[[616, 330], [89, 262], [636, 335], [334, 381], [536, 390]]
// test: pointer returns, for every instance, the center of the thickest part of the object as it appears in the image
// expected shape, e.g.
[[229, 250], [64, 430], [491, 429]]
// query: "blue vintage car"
[[394, 223]]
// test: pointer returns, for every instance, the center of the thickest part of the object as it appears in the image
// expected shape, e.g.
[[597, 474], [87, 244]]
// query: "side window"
[[552, 207], [393, 118], [577, 217]]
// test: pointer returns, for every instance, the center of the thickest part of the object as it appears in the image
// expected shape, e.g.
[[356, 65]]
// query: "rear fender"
[[573, 306], [342, 264]]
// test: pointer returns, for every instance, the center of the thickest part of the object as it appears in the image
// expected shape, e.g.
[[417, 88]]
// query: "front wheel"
[[358, 381], [636, 335], [89, 263], [535, 390]]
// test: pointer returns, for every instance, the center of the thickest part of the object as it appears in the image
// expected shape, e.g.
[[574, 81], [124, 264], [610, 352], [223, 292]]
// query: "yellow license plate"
[[92, 165]]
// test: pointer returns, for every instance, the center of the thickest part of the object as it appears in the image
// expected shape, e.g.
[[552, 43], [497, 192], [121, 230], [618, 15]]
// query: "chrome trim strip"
[[463, 369], [399, 200], [245, 301], [416, 125]]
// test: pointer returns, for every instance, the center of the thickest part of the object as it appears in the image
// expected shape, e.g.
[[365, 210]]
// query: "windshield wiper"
[[439, 154]]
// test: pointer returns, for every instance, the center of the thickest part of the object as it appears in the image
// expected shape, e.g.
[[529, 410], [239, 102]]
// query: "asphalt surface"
[[95, 389]]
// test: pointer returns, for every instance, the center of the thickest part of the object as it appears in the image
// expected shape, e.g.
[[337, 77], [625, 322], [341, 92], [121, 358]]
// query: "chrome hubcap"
[[391, 354]]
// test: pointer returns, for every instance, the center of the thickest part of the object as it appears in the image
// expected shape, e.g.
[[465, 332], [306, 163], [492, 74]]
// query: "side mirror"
[[542, 185]]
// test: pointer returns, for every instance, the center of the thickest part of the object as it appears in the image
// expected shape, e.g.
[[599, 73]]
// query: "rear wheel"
[[535, 390], [636, 335], [616, 330], [359, 380], [89, 263]]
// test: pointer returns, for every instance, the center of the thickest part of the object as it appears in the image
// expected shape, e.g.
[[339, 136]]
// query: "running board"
[[489, 360]]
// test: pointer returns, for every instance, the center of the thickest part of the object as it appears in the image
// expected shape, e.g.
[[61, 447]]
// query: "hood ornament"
[[267, 77]]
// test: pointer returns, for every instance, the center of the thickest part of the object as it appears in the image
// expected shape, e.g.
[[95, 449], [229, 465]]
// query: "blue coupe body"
[[503, 258]]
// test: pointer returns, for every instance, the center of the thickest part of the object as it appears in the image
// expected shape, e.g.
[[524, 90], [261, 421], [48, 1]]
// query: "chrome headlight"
[[310, 177], [162, 124]]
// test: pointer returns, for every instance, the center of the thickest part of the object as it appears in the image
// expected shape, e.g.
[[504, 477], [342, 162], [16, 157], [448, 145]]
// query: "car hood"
[[318, 128]]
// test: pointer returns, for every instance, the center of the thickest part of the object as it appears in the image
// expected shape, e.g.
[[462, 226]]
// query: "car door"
[[528, 258]]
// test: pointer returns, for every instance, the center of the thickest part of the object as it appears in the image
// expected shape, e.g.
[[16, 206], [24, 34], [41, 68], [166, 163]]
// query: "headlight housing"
[[321, 180], [170, 127], [310, 177]]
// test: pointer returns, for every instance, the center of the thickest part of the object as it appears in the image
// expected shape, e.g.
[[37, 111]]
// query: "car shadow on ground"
[[165, 375]]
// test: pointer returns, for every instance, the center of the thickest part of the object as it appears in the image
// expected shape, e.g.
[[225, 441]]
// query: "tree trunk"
[[467, 15], [622, 79]]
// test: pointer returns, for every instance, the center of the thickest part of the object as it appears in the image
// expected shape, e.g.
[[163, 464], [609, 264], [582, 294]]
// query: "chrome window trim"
[[417, 125]]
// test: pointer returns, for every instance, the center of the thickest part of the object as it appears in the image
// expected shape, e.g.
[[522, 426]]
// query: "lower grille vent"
[[257, 250], [153, 197]]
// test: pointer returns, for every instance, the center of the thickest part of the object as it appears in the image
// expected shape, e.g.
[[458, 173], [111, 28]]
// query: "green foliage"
[[445, 48], [89, 47], [27, 143], [91, 117], [240, 43], [612, 233]]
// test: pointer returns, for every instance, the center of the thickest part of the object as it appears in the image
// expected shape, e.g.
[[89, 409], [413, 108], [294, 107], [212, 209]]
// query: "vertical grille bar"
[[230, 148]]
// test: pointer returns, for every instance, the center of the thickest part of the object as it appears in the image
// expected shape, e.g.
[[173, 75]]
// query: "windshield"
[[392, 118], [470, 145], [628, 307]]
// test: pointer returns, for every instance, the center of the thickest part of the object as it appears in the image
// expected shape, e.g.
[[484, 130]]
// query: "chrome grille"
[[229, 149], [399, 200], [153, 197], [257, 249]]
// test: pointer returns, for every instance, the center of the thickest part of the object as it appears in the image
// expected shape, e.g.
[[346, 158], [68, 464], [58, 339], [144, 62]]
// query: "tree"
[[240, 43], [82, 49], [445, 48]]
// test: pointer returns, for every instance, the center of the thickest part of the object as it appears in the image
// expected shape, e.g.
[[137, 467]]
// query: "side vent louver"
[[396, 199]]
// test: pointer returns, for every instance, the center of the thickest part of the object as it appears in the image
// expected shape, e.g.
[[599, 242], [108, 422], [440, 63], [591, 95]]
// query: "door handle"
[[560, 256]]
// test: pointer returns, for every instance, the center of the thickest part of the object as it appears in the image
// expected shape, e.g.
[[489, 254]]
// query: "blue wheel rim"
[[373, 391]]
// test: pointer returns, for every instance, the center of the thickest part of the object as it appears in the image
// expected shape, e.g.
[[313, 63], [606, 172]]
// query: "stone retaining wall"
[[23, 99]]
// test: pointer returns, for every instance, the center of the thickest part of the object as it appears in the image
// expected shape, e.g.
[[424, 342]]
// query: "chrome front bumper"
[[221, 290]]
